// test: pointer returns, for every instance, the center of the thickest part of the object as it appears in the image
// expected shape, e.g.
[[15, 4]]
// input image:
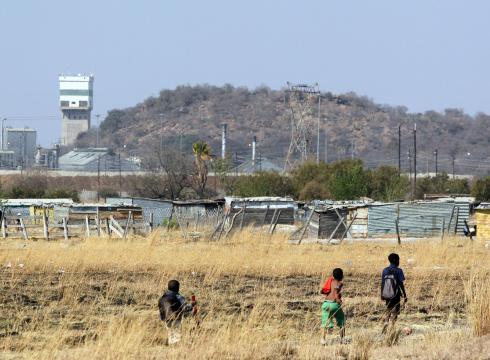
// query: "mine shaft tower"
[[76, 102]]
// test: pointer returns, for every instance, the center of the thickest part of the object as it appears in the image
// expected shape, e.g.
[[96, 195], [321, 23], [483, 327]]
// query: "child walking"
[[392, 289], [332, 305]]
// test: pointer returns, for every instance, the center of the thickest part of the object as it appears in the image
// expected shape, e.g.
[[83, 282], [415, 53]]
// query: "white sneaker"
[[173, 339], [323, 341]]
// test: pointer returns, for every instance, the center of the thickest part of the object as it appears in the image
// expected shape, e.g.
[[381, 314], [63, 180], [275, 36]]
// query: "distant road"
[[143, 172], [72, 173]]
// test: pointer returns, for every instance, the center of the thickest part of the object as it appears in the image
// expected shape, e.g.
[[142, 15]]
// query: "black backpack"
[[169, 306], [390, 286]]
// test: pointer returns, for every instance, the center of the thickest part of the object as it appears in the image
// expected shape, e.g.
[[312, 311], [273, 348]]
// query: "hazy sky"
[[424, 54]]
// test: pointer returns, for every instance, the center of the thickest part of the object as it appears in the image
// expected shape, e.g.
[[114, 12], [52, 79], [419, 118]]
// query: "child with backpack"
[[173, 307], [392, 289], [331, 307]]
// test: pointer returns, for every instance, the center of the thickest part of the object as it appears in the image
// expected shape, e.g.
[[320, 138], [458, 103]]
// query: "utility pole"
[[236, 164], [326, 146], [409, 166], [435, 154], [453, 158], [120, 177], [399, 150], [97, 136], [2, 139], [98, 178], [414, 160], [318, 128]]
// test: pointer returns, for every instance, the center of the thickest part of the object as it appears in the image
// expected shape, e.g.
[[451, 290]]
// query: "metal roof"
[[483, 206], [19, 129], [82, 156], [37, 202], [248, 167]]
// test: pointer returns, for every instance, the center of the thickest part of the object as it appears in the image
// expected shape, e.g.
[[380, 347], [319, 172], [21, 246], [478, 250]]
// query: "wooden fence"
[[78, 224]]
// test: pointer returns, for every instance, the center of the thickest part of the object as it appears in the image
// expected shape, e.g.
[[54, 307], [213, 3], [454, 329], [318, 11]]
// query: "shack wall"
[[415, 219], [482, 217]]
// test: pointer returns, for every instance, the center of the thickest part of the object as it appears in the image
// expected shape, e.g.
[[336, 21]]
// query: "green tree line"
[[348, 180]]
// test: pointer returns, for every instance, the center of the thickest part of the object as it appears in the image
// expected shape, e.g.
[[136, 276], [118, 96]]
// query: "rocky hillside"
[[355, 126]]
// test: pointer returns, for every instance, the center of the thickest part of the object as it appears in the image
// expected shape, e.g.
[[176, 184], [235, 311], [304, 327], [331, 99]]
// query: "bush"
[[313, 190], [386, 185], [264, 184], [481, 189], [441, 184], [349, 180], [174, 224]]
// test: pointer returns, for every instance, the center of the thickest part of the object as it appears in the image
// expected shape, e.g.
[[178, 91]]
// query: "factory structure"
[[76, 103], [18, 147]]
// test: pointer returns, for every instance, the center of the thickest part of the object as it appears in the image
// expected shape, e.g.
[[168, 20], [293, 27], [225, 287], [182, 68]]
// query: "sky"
[[422, 54]]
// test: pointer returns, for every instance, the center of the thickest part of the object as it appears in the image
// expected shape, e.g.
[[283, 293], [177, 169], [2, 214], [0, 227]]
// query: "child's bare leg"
[[386, 321], [326, 330], [342, 333]]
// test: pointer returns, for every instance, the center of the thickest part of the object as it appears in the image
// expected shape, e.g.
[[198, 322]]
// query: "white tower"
[[76, 102]]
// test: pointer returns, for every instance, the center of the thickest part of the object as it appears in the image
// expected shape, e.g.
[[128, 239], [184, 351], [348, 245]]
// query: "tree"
[[386, 185], [441, 184], [178, 170], [481, 189], [264, 184], [349, 180], [221, 168], [170, 177], [314, 176], [202, 154], [314, 190]]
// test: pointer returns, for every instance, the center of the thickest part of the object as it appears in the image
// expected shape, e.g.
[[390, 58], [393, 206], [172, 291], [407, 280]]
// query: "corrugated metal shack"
[[326, 224], [464, 207], [336, 220], [31, 207], [160, 210], [200, 213], [163, 210], [418, 219], [262, 210], [104, 211]]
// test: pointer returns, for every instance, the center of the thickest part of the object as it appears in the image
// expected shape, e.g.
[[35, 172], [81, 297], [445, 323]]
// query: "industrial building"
[[76, 103], [23, 143], [7, 159], [95, 159], [47, 158]]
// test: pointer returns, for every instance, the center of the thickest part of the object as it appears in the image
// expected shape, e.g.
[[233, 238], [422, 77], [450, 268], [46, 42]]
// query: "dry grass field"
[[258, 296]]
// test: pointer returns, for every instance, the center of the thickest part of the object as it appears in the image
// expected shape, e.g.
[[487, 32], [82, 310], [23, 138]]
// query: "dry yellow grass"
[[97, 298]]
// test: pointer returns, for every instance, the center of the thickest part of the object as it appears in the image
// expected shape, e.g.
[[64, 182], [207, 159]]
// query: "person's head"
[[338, 274], [173, 285], [394, 259]]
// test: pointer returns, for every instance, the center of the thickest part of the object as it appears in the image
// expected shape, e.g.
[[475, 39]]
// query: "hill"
[[355, 126]]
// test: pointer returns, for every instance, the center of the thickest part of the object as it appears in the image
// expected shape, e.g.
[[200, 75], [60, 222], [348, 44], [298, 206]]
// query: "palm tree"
[[202, 154]]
